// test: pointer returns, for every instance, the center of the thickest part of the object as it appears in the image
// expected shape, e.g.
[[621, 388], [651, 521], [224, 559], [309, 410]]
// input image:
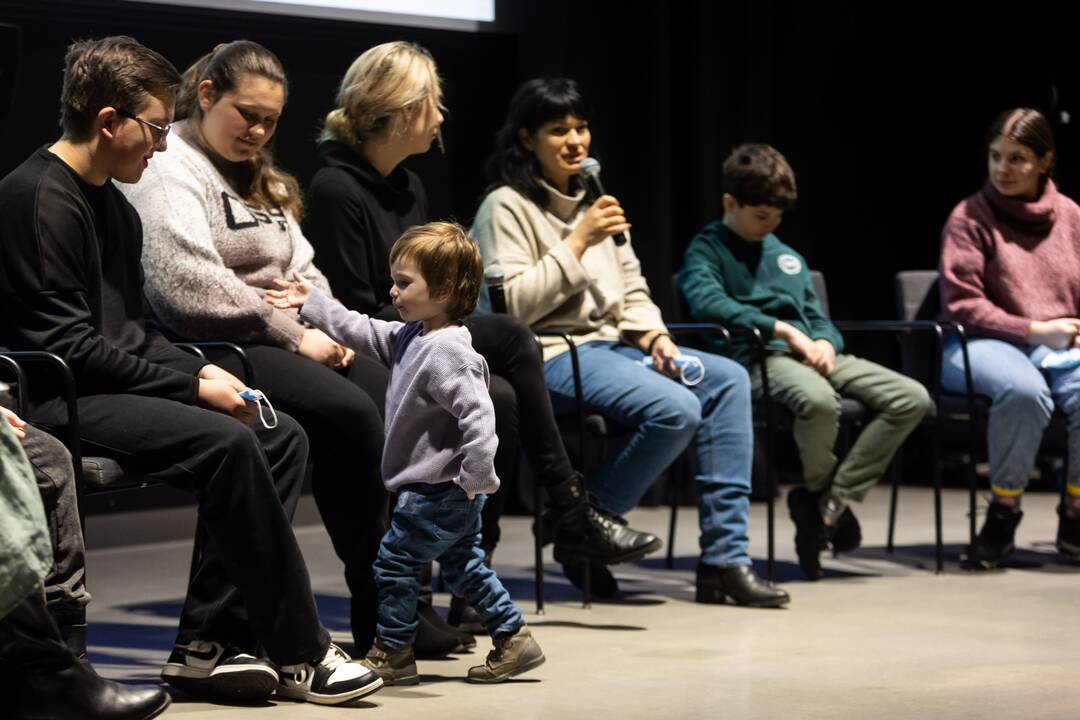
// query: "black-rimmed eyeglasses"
[[157, 132]]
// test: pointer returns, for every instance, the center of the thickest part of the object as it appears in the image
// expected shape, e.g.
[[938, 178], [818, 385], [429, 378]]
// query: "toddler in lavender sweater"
[[440, 445]]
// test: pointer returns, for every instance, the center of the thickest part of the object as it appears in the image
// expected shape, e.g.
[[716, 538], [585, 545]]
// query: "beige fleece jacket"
[[602, 296]]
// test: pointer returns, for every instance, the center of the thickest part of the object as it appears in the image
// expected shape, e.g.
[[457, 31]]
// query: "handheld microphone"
[[590, 175], [494, 278]]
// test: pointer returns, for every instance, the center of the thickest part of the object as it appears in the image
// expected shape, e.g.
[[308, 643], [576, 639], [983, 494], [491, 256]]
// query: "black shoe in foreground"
[[601, 581], [435, 638], [996, 538], [219, 672], [467, 621], [809, 530], [1068, 534], [583, 529], [846, 535], [78, 692], [739, 584]]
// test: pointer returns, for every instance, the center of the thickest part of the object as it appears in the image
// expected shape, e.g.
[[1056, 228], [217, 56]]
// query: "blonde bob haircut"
[[386, 82], [448, 259]]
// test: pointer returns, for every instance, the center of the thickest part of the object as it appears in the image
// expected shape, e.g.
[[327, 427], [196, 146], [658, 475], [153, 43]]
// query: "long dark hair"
[[538, 101], [259, 180]]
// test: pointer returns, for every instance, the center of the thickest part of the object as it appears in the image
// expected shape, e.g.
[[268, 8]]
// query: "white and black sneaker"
[[334, 680], [210, 669]]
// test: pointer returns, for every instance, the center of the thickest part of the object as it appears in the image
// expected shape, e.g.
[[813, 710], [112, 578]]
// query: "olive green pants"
[[897, 403]]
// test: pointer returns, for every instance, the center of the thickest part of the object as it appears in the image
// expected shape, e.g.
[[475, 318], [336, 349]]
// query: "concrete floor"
[[879, 637]]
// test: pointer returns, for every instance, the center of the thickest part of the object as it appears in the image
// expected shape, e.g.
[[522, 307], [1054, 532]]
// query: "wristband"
[[652, 343]]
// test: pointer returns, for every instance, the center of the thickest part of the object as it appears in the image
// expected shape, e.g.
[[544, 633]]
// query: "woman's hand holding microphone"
[[604, 218]]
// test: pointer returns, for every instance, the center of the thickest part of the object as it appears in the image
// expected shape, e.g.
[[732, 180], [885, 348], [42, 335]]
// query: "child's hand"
[[291, 294], [471, 496], [17, 423]]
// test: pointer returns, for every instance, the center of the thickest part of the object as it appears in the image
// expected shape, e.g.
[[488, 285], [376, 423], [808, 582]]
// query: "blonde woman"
[[220, 222], [389, 107]]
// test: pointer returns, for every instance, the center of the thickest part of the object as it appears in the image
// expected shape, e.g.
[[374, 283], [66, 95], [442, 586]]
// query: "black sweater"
[[71, 283], [353, 216]]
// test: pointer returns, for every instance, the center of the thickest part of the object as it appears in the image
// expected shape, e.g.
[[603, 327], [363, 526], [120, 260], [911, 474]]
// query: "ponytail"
[[258, 180]]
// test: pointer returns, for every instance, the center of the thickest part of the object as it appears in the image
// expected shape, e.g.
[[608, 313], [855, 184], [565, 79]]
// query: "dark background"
[[880, 108]]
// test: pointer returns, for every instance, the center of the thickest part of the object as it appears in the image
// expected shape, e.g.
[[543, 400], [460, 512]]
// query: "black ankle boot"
[[996, 538], [434, 638], [56, 684], [1068, 534], [79, 692], [740, 584], [842, 531], [601, 582], [73, 630], [809, 530], [582, 530], [464, 618]]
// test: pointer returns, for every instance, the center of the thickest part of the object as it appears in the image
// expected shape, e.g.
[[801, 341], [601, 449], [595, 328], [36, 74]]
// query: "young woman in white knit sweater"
[[564, 271], [220, 222]]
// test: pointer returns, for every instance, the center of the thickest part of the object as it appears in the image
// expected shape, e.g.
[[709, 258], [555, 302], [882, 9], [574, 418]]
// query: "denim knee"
[[1024, 404], [678, 412]]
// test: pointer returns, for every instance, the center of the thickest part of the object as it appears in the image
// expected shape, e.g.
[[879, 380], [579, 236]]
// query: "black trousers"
[[341, 412], [30, 639], [249, 585], [511, 352]]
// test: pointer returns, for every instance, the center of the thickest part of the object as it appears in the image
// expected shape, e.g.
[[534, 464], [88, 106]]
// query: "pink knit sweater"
[[1006, 262]]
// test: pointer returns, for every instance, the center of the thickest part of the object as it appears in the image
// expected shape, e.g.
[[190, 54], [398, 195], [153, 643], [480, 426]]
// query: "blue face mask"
[[691, 369], [1061, 359], [268, 417]]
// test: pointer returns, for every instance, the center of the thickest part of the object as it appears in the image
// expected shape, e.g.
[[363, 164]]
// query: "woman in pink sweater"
[[1010, 273]]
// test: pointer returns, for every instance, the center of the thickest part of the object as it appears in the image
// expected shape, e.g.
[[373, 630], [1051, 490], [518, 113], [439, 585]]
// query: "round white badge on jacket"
[[789, 264]]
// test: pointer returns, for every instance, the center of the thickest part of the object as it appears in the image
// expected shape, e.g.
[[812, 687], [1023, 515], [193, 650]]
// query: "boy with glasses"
[[71, 283]]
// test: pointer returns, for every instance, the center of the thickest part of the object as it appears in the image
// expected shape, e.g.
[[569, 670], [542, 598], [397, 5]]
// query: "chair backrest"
[[917, 296], [818, 279], [680, 309], [917, 299]]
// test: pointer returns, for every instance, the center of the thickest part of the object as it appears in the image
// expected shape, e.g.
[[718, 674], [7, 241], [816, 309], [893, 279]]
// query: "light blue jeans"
[[1023, 397], [663, 416]]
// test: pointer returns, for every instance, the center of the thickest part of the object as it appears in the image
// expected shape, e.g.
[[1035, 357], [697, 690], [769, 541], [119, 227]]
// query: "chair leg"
[[973, 490], [939, 545], [895, 478], [538, 548], [670, 559], [586, 591], [770, 505]]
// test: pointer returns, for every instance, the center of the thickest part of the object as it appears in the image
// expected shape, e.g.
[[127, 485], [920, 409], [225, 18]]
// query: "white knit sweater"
[[602, 296], [208, 256]]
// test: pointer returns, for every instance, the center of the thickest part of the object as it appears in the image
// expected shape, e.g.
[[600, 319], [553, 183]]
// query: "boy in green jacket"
[[738, 273]]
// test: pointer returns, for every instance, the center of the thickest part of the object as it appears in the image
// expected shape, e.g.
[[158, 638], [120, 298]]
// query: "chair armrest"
[[67, 389], [705, 328], [906, 327], [196, 348], [899, 326]]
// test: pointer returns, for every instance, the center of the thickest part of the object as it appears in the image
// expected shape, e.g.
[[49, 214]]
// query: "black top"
[[353, 216], [71, 283]]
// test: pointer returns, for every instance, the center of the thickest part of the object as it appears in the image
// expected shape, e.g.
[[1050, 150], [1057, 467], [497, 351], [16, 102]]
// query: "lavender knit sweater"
[[1007, 261], [440, 423]]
